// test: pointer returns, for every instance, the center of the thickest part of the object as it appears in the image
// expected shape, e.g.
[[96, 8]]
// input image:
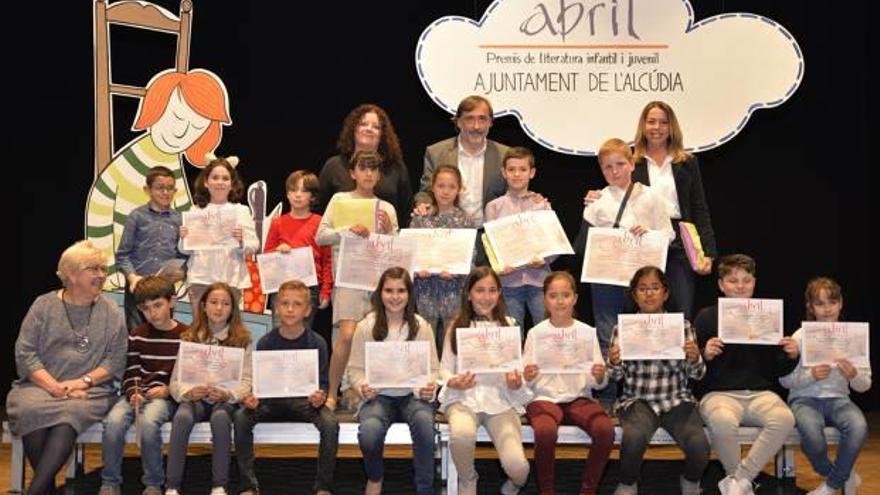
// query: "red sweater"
[[300, 232]]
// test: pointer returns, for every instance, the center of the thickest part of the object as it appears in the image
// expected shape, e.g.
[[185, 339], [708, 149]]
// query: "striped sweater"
[[151, 357], [119, 189]]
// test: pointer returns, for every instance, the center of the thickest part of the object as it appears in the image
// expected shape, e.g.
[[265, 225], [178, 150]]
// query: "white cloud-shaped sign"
[[578, 72]]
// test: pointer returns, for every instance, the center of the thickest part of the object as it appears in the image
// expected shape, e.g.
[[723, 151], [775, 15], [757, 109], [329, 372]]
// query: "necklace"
[[83, 344]]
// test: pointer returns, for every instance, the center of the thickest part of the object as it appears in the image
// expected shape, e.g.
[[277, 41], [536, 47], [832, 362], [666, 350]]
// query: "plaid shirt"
[[662, 383]]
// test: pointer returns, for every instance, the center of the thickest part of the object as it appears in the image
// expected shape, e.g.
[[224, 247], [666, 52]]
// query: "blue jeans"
[[187, 415], [518, 298], [376, 416], [608, 302], [811, 415], [154, 414]]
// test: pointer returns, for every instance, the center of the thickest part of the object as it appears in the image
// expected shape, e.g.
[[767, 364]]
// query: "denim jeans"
[[608, 302], [811, 415], [518, 298], [154, 414], [682, 422], [376, 416], [287, 409], [187, 415]]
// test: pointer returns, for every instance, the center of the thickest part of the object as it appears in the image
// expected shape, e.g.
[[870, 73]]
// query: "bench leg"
[[785, 462], [451, 474], [16, 467], [444, 460]]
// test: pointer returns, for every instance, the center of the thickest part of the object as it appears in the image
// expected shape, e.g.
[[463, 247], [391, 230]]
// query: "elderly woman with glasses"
[[71, 345]]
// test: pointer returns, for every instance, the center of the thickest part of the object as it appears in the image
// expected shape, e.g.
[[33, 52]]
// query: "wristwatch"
[[88, 380]]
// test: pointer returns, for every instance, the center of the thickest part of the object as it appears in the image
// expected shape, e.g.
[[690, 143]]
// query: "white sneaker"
[[740, 486], [171, 491], [724, 485], [626, 489], [218, 490], [823, 489], [852, 484], [509, 487]]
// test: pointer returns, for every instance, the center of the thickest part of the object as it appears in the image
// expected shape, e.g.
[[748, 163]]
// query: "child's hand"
[[368, 392], [157, 392], [324, 303], [197, 393], [423, 274], [384, 222], [714, 348], [507, 270], [183, 231], [592, 196], [514, 379], [426, 393], [446, 275], [250, 401], [217, 394], [638, 230], [530, 372], [599, 372], [790, 347], [691, 351], [705, 267], [422, 210], [317, 398], [614, 354], [283, 248], [135, 400], [848, 370], [133, 279], [463, 381], [237, 234], [359, 230], [538, 198], [537, 263], [820, 372]]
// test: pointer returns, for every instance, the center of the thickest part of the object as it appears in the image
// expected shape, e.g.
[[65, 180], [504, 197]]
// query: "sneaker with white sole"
[[823, 489], [218, 490], [172, 491], [627, 489], [852, 484], [740, 486]]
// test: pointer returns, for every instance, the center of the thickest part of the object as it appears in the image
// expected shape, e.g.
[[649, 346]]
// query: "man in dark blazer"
[[473, 153]]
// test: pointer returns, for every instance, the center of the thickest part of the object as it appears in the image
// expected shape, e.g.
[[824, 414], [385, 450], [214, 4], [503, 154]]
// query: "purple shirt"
[[510, 205]]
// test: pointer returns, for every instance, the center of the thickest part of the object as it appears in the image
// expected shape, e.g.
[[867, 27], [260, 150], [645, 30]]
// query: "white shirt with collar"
[[470, 199], [663, 182]]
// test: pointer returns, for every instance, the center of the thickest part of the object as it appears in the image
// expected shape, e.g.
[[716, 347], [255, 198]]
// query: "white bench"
[[572, 435], [264, 434]]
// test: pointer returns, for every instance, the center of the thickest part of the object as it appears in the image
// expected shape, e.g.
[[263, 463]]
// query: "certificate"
[[827, 342], [564, 350], [202, 364], [750, 321], [651, 336], [362, 261], [277, 268], [612, 256], [354, 211], [289, 373], [398, 364], [442, 250], [210, 229], [519, 239], [489, 349]]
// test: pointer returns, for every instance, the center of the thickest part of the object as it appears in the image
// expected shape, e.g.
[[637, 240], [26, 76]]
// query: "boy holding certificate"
[[820, 395], [521, 285], [656, 392], [350, 305], [293, 306], [739, 385], [152, 352]]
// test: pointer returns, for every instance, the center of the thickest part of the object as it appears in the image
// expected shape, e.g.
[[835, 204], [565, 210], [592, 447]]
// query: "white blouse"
[[645, 207]]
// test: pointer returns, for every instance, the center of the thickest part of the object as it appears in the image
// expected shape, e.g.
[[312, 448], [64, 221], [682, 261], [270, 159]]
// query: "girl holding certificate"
[[494, 400], [566, 398], [217, 322], [819, 395], [218, 188], [350, 305], [438, 295], [394, 318], [656, 393]]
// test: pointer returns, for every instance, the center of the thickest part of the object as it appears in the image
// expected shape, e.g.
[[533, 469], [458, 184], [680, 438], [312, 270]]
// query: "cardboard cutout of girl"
[[183, 113]]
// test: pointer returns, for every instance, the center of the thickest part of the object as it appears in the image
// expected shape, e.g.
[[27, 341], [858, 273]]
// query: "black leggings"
[[47, 450]]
